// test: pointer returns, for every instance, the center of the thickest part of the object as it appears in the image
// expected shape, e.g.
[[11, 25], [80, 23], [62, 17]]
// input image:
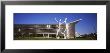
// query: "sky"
[[88, 24]]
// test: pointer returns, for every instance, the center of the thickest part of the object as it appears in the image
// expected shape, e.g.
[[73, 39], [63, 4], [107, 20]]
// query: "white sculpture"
[[65, 31], [61, 30], [77, 34]]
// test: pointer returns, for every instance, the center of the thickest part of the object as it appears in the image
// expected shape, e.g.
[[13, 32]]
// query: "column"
[[48, 35], [43, 35]]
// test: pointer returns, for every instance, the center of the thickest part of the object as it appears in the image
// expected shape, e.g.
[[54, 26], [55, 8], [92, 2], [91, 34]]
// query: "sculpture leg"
[[57, 34], [65, 36]]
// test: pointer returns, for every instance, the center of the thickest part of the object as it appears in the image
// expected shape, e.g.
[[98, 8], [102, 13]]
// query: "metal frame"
[[3, 3]]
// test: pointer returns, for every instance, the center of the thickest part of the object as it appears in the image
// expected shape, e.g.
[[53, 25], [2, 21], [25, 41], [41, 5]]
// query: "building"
[[44, 30]]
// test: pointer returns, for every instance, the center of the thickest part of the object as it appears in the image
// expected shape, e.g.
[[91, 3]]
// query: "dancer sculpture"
[[60, 29], [68, 31]]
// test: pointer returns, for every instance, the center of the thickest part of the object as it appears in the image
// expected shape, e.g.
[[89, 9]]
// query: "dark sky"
[[87, 25]]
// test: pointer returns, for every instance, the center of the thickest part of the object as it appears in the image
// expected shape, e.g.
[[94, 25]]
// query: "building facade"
[[44, 30]]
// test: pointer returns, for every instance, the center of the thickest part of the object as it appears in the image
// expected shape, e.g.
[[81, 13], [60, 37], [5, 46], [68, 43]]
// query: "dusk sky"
[[86, 25]]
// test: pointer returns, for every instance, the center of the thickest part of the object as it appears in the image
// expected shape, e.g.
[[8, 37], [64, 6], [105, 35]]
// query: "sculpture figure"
[[68, 31]]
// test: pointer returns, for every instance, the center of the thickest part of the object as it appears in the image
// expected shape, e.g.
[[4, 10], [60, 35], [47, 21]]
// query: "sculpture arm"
[[56, 20]]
